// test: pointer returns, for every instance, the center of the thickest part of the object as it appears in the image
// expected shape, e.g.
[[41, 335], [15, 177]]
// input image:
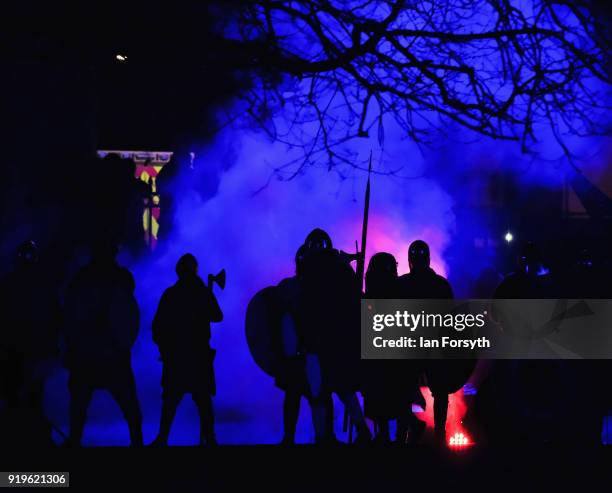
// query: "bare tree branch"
[[334, 69]]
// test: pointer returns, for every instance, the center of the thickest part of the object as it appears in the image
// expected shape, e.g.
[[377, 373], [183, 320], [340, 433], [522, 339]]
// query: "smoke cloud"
[[234, 212]]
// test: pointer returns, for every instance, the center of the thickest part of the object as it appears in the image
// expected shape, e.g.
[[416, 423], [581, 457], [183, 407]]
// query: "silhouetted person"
[[531, 280], [29, 320], [524, 399], [423, 283], [587, 278], [291, 374], [329, 315], [181, 330], [102, 322], [389, 385]]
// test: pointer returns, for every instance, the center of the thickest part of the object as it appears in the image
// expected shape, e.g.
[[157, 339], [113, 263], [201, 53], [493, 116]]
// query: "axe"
[[219, 279]]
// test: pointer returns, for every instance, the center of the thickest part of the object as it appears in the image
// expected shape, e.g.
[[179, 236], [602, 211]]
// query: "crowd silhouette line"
[[304, 332]]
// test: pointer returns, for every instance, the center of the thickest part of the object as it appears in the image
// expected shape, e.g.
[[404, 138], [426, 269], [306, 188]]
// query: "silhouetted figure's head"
[[318, 240], [418, 256], [383, 263], [103, 250], [381, 274], [27, 253], [530, 259], [187, 267], [300, 256]]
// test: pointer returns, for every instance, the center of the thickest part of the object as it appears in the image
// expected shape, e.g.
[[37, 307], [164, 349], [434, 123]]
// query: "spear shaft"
[[347, 425], [364, 229]]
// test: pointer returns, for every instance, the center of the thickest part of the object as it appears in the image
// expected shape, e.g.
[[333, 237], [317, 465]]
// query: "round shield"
[[263, 325]]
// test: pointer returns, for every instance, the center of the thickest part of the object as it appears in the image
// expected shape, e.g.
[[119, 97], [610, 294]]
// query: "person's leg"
[[317, 397], [351, 403], [35, 396], [170, 401], [322, 410], [410, 429], [80, 397], [440, 412], [40, 427], [319, 420], [203, 401], [124, 393], [383, 435], [291, 412], [401, 433], [329, 417]]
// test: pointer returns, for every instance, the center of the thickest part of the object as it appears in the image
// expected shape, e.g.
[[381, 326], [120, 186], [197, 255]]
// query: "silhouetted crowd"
[[303, 331], [314, 350]]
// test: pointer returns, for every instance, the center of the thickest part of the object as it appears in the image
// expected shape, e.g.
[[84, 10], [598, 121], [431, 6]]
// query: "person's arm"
[[214, 310]]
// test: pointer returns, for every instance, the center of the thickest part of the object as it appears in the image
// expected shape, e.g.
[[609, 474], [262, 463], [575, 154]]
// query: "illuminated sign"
[[148, 165]]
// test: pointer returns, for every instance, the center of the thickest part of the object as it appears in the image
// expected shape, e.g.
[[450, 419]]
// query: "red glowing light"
[[457, 409]]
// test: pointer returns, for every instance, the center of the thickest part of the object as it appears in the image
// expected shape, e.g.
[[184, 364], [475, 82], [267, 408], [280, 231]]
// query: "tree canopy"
[[329, 71]]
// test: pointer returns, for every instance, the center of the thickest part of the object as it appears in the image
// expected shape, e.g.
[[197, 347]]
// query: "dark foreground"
[[308, 468]]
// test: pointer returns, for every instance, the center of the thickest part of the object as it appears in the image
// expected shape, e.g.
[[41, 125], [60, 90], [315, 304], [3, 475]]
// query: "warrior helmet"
[[317, 240], [418, 255]]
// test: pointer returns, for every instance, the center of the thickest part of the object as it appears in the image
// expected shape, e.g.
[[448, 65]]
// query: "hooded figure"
[[291, 374], [422, 282], [389, 386], [30, 319], [443, 377], [181, 330], [329, 321], [530, 398]]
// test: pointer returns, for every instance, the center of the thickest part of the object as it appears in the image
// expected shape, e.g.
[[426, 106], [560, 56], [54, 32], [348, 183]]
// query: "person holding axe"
[[181, 330]]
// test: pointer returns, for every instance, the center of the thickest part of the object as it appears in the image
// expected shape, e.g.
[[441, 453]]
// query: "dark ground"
[[307, 468]]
